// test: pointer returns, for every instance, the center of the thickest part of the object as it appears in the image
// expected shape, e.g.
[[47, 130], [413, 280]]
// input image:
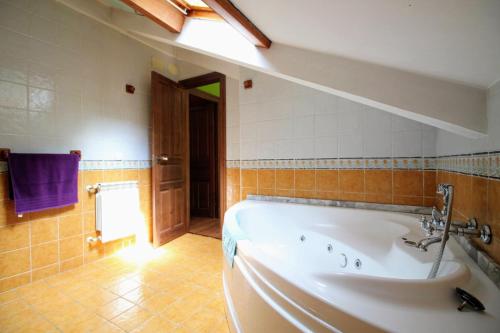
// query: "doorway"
[[203, 161], [178, 205]]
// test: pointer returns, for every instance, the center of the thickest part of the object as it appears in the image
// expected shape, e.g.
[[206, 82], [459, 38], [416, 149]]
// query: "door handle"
[[162, 158]]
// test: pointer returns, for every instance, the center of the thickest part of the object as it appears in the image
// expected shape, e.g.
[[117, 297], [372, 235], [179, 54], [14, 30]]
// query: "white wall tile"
[[407, 143], [303, 148], [41, 76], [14, 18], [13, 69], [376, 121], [326, 125], [403, 124], [14, 44], [377, 144], [326, 147], [267, 149], [13, 95], [351, 145], [303, 127], [62, 78], [233, 135], [285, 149], [16, 143], [350, 117], [248, 150], [248, 132], [43, 100], [429, 142], [13, 121]]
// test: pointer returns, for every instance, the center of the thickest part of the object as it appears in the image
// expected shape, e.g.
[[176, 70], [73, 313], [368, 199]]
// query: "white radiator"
[[117, 210]]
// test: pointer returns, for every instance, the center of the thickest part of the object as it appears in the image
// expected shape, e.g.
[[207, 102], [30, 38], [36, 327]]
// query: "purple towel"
[[43, 181]]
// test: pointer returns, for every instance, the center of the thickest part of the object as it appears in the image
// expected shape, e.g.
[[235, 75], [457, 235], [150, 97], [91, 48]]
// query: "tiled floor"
[[176, 288]]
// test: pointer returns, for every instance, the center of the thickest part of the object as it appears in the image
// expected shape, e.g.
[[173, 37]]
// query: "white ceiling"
[[457, 40]]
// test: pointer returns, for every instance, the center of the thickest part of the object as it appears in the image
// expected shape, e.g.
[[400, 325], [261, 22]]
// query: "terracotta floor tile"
[[8, 296], [180, 311], [158, 302], [10, 309], [27, 322], [132, 318], [155, 325], [178, 291], [204, 321], [107, 327], [139, 294], [97, 298], [122, 287], [115, 308]]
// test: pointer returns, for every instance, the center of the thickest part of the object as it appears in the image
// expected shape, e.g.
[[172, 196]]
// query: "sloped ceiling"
[[451, 39], [446, 101]]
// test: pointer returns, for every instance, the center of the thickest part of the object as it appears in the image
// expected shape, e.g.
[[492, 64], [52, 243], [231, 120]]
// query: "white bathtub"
[[307, 268]]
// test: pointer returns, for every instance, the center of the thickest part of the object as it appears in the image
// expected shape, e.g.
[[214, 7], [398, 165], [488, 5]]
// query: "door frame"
[[190, 85]]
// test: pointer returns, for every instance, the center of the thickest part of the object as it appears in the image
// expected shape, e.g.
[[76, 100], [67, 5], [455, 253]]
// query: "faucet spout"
[[424, 243]]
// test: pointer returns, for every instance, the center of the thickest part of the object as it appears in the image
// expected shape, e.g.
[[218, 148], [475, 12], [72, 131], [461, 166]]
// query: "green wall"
[[212, 89]]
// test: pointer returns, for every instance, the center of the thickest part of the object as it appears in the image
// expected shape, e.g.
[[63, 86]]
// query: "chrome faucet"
[[446, 190], [441, 222]]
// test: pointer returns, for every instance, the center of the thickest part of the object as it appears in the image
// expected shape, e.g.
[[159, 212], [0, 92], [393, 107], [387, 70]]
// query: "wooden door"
[[170, 160], [203, 157]]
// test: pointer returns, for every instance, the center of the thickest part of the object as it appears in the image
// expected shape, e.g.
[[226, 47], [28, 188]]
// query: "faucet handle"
[[426, 225], [436, 214], [442, 188]]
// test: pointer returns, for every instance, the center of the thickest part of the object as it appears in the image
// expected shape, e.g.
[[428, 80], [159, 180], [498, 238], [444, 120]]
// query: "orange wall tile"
[[266, 179], [327, 181], [378, 181], [405, 187], [305, 180], [408, 183], [352, 181], [14, 237], [285, 179], [44, 243], [249, 178], [44, 254], [477, 197]]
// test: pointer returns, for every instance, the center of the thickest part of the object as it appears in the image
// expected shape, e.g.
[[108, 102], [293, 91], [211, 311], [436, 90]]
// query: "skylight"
[[172, 14], [194, 9], [196, 3]]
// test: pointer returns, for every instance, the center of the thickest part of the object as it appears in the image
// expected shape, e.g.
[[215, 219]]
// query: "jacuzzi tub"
[[304, 268]]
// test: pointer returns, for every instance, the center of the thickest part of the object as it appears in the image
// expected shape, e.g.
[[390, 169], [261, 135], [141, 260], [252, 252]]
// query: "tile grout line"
[[31, 255], [58, 247]]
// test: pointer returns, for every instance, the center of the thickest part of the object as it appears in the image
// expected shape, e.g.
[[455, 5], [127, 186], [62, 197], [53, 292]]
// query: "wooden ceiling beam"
[[239, 21], [205, 15], [160, 11]]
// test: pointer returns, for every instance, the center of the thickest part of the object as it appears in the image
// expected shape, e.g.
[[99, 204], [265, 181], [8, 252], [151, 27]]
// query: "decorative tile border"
[[114, 164], [411, 163], [479, 164], [103, 165], [232, 163]]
